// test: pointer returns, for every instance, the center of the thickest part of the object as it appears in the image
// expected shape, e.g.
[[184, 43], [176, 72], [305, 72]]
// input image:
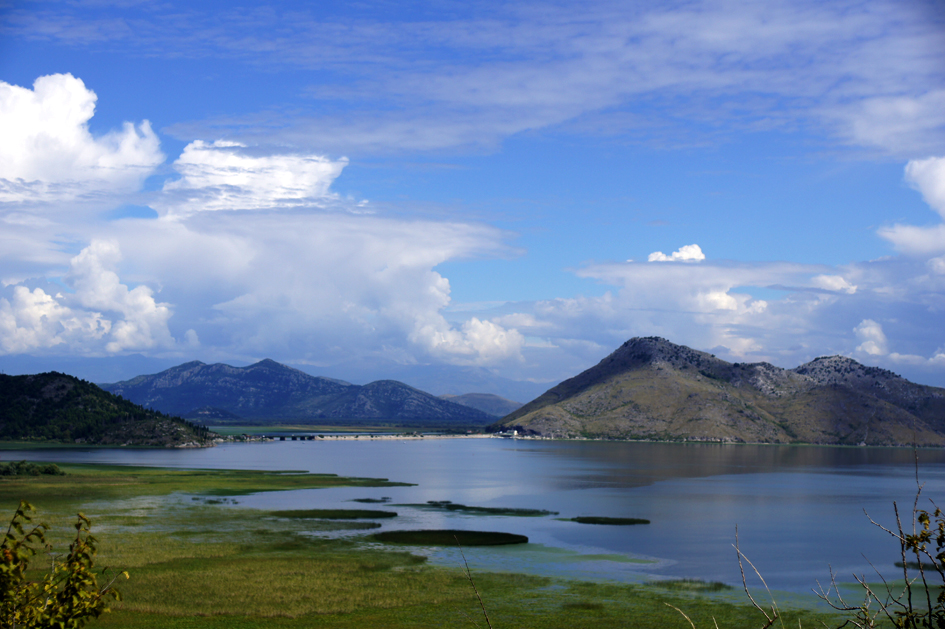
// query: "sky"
[[469, 196]]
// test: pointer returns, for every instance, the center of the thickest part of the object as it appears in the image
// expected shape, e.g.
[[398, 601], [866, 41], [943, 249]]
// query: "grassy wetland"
[[198, 559]]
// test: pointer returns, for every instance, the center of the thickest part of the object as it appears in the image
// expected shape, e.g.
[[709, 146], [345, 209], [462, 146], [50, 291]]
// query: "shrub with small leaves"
[[67, 596]]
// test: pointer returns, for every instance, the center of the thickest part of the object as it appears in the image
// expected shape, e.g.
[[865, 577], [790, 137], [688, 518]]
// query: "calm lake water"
[[799, 510]]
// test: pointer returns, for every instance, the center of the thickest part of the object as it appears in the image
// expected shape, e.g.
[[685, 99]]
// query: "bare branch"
[[740, 554], [473, 583], [691, 624]]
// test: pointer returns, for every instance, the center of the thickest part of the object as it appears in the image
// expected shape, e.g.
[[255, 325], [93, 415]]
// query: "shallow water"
[[799, 510]]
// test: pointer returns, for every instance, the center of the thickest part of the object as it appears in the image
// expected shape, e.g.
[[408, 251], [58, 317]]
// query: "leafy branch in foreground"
[[67, 596], [912, 605]]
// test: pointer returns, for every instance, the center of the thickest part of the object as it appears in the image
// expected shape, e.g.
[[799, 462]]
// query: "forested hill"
[[57, 407]]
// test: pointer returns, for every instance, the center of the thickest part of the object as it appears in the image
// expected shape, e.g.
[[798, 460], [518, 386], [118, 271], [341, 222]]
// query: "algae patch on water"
[[449, 537], [334, 514], [446, 505], [605, 520], [691, 585]]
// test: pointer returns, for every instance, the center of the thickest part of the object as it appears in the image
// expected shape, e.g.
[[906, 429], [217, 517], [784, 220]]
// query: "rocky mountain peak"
[[843, 370], [656, 350], [268, 363]]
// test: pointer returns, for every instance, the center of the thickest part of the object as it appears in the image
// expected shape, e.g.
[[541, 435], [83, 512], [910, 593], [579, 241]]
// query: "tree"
[[67, 596]]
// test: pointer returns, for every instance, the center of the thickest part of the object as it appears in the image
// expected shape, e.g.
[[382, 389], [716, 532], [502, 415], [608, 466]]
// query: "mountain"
[[61, 408], [485, 402], [650, 388], [444, 379], [268, 390]]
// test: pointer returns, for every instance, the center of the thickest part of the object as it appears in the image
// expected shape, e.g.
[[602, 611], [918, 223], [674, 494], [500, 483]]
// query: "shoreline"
[[311, 436], [302, 435]]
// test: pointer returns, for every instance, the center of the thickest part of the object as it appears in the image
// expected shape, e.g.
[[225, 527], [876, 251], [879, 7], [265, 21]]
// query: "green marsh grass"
[[195, 565]]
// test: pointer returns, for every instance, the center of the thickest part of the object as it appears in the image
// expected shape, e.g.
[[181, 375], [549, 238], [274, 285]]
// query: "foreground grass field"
[[197, 561]]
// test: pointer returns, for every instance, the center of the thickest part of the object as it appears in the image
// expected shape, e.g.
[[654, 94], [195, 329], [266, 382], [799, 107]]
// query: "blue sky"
[[470, 196]]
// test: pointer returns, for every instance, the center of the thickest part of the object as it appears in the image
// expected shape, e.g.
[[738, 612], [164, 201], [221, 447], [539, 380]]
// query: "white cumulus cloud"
[[688, 253], [476, 342], [333, 286], [48, 154], [33, 320], [100, 314], [142, 323], [835, 283], [928, 177], [873, 339]]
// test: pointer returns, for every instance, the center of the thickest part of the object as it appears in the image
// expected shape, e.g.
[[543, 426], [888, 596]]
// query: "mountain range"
[[270, 391], [650, 388]]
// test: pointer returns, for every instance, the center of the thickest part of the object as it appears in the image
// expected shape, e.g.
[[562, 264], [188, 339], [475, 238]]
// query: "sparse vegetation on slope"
[[650, 388]]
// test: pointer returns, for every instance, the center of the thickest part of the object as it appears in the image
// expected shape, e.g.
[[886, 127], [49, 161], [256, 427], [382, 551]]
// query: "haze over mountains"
[[269, 391], [485, 402], [650, 388]]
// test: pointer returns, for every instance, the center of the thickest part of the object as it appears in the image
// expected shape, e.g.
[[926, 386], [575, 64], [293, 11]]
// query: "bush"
[[67, 596], [22, 468]]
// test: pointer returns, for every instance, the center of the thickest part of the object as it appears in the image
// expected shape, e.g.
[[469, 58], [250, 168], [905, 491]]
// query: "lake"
[[799, 510]]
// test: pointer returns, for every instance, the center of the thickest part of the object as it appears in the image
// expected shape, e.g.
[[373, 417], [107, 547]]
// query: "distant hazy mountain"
[[60, 408], [485, 402], [650, 388], [268, 390], [444, 379]]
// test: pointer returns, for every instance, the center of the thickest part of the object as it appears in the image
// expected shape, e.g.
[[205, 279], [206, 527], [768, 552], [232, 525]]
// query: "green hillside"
[[55, 407]]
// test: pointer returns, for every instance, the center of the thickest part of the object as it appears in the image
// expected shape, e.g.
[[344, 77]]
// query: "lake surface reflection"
[[798, 509]]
